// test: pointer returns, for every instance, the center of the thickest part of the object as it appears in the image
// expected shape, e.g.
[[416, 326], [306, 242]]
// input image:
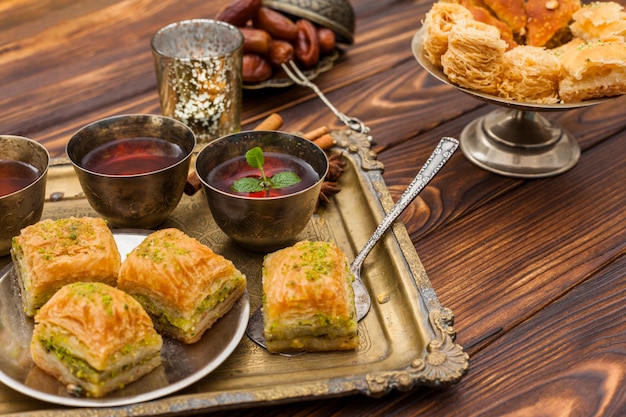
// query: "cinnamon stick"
[[325, 141], [315, 133], [193, 183], [272, 122]]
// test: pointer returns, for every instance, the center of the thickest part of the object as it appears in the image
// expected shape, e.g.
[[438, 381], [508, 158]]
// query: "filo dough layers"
[[529, 73], [600, 21], [182, 284], [592, 70], [53, 253], [308, 300], [95, 339], [589, 66], [438, 23], [474, 56]]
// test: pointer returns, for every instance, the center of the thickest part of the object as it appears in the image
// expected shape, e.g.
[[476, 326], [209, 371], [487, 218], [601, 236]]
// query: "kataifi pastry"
[[474, 56], [438, 22], [529, 74]]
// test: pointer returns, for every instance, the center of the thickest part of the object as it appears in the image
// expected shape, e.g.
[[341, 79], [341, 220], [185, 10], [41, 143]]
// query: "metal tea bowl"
[[268, 223], [336, 15], [139, 200], [24, 206]]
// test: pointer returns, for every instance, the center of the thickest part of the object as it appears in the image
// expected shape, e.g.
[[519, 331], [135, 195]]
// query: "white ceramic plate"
[[182, 364]]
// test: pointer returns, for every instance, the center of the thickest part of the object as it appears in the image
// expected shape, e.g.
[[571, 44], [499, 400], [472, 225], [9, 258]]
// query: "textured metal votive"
[[198, 69]]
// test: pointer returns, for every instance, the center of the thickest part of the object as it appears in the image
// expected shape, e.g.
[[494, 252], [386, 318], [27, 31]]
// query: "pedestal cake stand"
[[514, 140]]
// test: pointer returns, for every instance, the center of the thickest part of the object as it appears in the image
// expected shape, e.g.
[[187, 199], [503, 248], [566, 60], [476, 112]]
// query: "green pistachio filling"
[[186, 325], [81, 369]]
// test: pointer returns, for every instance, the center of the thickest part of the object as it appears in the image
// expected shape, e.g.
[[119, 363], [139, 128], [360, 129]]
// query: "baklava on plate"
[[94, 338], [52, 253], [182, 284]]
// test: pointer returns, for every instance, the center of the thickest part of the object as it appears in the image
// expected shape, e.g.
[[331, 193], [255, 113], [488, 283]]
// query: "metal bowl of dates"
[[336, 15]]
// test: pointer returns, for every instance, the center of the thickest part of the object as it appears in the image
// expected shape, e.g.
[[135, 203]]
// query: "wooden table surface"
[[534, 270]]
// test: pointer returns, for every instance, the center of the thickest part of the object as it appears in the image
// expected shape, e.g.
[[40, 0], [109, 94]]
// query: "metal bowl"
[[261, 224], [25, 206], [336, 15], [139, 200]]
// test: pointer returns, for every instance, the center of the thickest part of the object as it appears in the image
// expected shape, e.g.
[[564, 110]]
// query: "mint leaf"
[[255, 157], [248, 185], [284, 179]]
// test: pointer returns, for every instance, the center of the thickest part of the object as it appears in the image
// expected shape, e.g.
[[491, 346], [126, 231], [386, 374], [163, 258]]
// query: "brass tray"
[[406, 340]]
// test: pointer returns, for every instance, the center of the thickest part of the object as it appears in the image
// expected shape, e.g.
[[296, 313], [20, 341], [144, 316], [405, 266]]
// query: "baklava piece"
[[182, 284], [308, 300], [593, 70], [548, 21], [95, 339], [605, 21], [52, 253]]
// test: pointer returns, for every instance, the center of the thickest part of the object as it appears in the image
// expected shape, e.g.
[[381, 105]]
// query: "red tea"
[[15, 175], [225, 174], [132, 156]]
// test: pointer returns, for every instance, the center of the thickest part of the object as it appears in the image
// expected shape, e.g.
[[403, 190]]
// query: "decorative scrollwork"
[[358, 143], [443, 362]]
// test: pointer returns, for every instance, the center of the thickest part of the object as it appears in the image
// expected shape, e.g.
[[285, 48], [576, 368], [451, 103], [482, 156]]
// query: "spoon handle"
[[442, 153]]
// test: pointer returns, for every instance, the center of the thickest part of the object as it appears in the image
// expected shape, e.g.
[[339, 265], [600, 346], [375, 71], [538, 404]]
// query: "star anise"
[[329, 189], [330, 186], [336, 166]]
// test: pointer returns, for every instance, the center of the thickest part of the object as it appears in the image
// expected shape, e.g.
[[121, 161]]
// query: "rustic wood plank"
[[543, 246], [531, 269]]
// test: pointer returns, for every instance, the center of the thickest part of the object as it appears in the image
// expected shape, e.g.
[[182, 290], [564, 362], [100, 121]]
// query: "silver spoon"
[[442, 153]]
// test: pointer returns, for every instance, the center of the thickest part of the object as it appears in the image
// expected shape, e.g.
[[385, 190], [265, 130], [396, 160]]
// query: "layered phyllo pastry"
[[94, 338], [52, 253], [308, 300], [182, 284], [593, 70]]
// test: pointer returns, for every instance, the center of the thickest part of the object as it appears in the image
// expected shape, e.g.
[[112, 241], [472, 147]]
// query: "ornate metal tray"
[[406, 340]]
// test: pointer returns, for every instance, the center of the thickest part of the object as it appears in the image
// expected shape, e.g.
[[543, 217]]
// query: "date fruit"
[[281, 52], [276, 24], [326, 39], [239, 12], [255, 69], [307, 48], [256, 41]]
